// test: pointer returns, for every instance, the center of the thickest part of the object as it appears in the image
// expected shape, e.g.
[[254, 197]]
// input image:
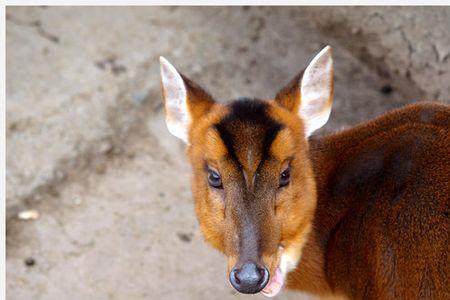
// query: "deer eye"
[[214, 179], [285, 177]]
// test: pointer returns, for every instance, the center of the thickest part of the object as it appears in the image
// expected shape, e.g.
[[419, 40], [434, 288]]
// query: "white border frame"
[[143, 3]]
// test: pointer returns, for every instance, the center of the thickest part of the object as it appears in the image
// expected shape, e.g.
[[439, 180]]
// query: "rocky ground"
[[87, 147]]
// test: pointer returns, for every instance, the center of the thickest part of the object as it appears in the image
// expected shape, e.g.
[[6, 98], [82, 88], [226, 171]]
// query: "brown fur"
[[367, 209], [381, 229], [211, 206]]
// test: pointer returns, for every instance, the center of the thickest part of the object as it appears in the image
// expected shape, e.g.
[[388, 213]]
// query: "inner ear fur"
[[310, 93], [185, 102]]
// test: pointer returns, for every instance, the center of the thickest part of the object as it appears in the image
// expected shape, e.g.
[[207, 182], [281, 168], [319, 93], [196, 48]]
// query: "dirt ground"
[[88, 149]]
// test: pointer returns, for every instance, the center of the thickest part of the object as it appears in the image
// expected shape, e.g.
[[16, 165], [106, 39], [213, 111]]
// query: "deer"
[[362, 213]]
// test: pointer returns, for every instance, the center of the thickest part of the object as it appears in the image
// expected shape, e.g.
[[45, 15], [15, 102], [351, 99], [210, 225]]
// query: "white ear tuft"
[[175, 96], [317, 91]]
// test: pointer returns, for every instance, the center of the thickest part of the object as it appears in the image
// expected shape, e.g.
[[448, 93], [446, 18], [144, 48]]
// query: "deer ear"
[[184, 101], [310, 94]]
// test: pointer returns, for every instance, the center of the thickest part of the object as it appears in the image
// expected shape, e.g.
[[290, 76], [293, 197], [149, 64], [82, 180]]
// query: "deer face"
[[252, 181]]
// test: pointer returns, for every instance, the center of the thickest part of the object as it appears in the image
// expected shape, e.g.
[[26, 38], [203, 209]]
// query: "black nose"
[[249, 279]]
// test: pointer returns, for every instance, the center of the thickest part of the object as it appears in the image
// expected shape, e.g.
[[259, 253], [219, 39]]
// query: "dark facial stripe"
[[251, 112], [248, 132], [271, 134], [228, 141]]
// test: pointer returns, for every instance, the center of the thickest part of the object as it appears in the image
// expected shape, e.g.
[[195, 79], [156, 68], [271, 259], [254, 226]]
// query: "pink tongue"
[[275, 284]]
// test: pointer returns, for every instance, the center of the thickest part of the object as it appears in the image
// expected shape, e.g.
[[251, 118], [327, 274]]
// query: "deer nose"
[[249, 278]]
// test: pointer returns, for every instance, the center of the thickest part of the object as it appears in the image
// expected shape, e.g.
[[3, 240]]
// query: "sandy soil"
[[88, 149]]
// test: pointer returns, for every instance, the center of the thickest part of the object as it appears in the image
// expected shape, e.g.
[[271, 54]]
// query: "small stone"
[[77, 200], [100, 64], [118, 69], [100, 168], [30, 214], [355, 30], [139, 97], [117, 150], [30, 262], [185, 237], [60, 175], [105, 147], [386, 89]]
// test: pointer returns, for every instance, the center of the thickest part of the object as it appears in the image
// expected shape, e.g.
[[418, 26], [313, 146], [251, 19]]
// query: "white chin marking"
[[287, 263]]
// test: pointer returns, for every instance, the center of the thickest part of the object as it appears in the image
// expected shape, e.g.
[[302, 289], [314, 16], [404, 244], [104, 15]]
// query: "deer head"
[[252, 180]]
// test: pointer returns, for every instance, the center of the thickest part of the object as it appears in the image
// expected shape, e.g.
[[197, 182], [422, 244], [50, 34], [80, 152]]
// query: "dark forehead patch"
[[248, 127]]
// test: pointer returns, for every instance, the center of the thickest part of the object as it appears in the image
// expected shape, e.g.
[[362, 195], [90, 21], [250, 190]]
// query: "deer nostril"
[[236, 278], [249, 278], [264, 277], [263, 272]]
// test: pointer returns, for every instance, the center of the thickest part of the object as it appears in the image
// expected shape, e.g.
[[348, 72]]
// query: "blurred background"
[[98, 200]]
